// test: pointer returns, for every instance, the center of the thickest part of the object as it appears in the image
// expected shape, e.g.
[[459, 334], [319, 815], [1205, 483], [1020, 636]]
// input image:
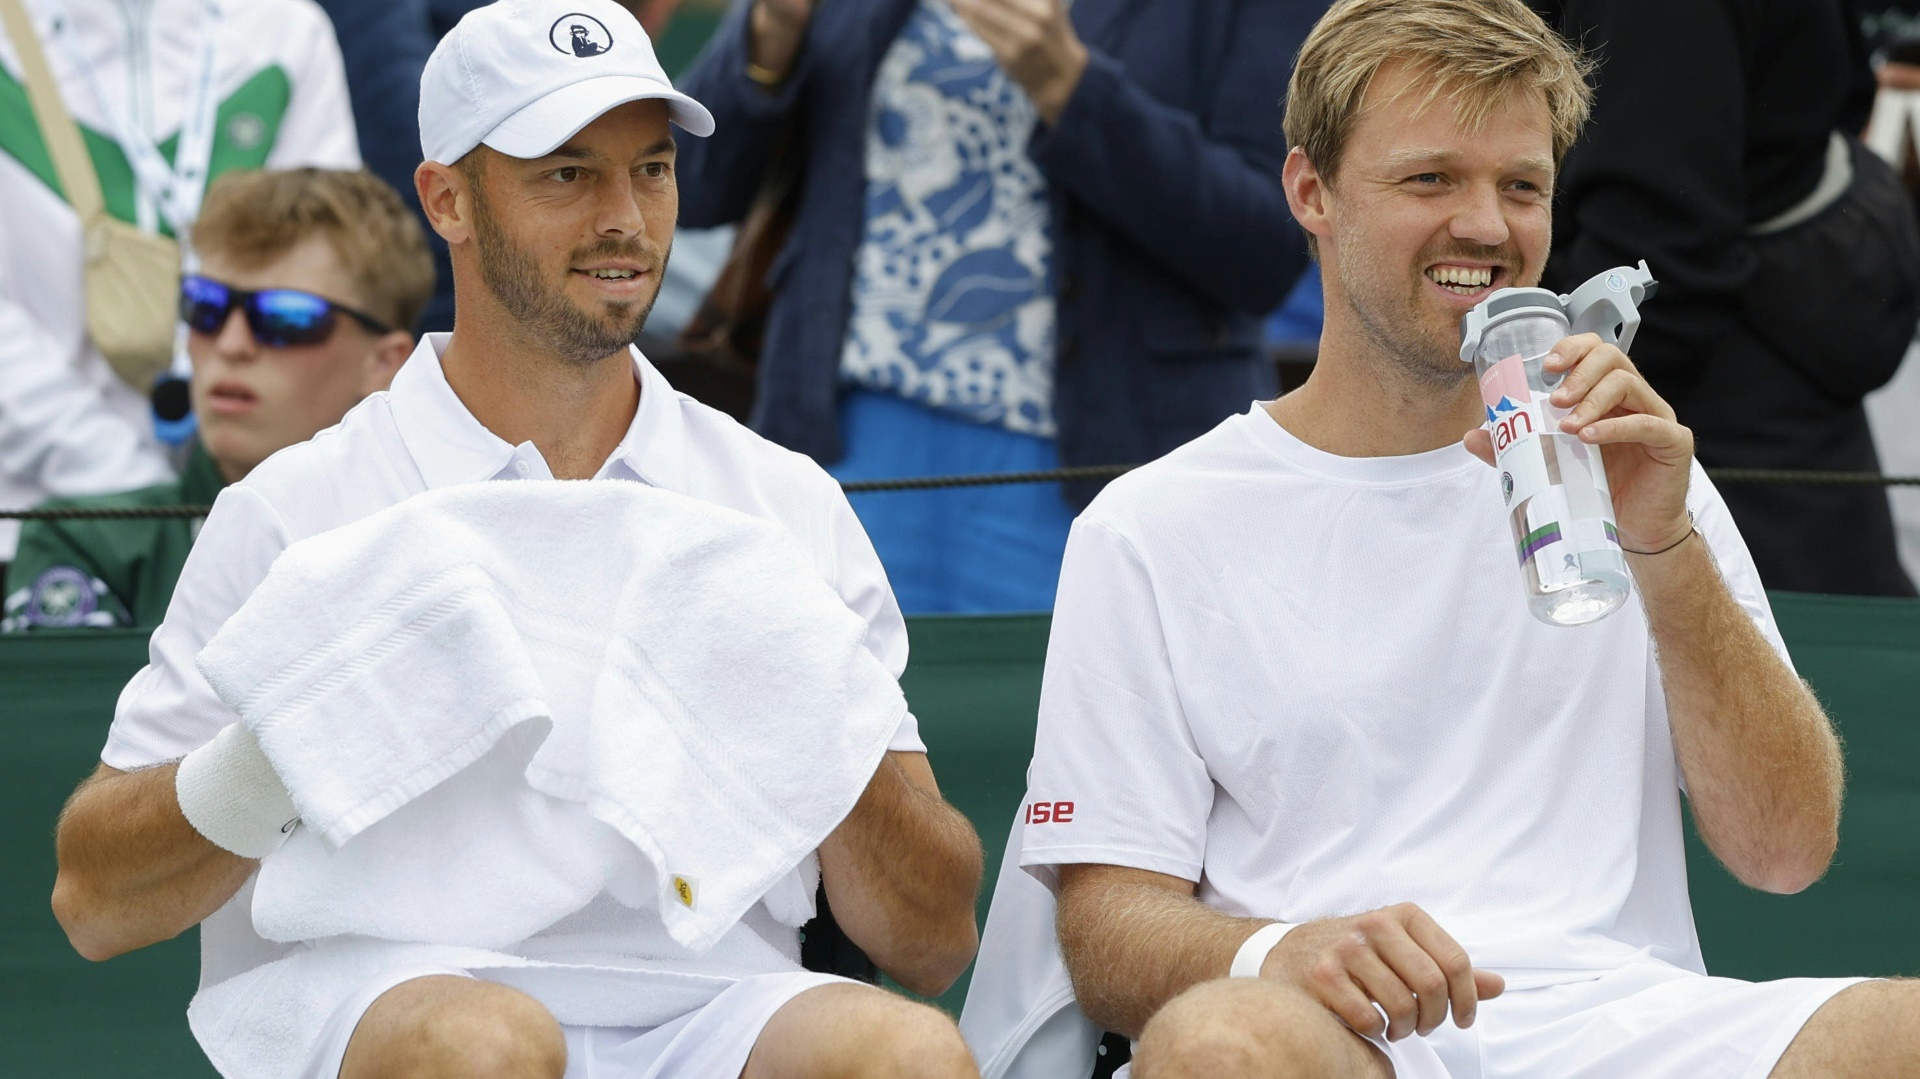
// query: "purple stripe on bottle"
[[1538, 538]]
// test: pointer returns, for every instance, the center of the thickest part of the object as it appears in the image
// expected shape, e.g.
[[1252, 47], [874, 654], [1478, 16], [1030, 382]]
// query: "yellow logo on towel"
[[687, 889]]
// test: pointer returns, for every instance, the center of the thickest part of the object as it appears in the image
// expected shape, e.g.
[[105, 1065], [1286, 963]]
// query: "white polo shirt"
[[417, 436], [412, 438], [1310, 684]]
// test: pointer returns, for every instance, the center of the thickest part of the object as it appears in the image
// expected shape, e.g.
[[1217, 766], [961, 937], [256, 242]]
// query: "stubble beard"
[[1425, 353], [545, 313], [1401, 332]]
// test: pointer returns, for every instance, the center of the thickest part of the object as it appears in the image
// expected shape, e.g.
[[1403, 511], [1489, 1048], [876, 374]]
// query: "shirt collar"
[[450, 446], [655, 446]]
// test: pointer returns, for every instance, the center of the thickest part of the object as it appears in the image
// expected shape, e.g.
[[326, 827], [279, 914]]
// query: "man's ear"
[[389, 351], [445, 200], [1307, 192]]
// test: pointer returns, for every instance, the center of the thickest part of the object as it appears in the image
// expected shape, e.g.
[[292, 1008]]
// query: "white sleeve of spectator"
[[318, 129], [57, 430], [168, 710], [1116, 777]]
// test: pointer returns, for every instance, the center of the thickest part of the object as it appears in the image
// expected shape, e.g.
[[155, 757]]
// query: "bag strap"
[[62, 135]]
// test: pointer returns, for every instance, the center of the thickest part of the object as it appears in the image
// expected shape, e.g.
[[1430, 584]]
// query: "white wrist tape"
[[231, 795], [1253, 954]]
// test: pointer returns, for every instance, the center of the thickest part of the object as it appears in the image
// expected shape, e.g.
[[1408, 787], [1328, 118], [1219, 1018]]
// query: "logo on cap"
[[580, 35]]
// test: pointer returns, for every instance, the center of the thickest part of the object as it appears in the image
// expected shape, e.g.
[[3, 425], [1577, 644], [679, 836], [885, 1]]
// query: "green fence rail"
[[974, 683]]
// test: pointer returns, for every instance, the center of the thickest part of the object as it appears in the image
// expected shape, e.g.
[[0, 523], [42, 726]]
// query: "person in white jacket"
[[277, 98]]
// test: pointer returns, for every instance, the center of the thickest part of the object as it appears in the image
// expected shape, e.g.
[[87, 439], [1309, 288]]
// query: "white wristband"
[[1253, 954], [231, 794]]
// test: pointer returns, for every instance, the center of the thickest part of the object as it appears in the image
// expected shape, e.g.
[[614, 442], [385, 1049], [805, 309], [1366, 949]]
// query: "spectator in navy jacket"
[[1026, 235]]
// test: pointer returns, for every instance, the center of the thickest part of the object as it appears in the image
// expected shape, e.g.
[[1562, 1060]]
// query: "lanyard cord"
[[176, 189]]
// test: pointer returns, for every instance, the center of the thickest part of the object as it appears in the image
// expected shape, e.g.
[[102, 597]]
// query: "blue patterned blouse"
[[953, 295]]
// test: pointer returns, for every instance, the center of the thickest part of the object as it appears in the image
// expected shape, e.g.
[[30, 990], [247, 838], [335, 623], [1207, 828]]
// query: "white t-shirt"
[[1311, 684], [418, 436]]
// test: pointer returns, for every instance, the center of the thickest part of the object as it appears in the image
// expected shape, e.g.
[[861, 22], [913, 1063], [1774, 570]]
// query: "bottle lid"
[[1502, 306]]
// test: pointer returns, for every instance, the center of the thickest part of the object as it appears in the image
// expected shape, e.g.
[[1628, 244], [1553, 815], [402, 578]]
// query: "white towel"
[[493, 702]]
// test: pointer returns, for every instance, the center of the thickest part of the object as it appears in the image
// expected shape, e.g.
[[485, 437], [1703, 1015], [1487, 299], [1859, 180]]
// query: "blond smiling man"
[[1311, 735]]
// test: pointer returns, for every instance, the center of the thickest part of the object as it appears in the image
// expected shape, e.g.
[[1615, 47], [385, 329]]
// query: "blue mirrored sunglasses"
[[278, 317]]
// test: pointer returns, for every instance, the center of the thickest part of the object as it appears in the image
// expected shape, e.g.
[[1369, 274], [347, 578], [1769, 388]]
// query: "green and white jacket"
[[68, 426]]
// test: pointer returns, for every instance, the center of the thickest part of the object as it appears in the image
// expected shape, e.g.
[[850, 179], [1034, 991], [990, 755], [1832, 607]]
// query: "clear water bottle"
[[1554, 486]]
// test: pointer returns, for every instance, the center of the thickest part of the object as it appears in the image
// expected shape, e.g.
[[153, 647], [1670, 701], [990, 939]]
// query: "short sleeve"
[[1116, 778], [168, 709], [862, 583], [1715, 523]]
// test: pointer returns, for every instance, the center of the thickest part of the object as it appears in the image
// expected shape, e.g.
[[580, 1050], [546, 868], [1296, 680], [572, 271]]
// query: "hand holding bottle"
[[1648, 452]]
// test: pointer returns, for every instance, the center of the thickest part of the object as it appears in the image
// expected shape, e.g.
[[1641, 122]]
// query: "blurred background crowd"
[[929, 237]]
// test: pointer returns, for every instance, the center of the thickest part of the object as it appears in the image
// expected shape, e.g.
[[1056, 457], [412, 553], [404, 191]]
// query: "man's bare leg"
[[1252, 1028], [1871, 1029], [858, 1032], [456, 1028]]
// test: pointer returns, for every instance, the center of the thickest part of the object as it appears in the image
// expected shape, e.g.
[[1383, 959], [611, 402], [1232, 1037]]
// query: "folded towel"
[[493, 702]]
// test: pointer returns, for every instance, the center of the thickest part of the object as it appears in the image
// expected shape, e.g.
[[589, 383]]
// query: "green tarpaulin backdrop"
[[974, 683]]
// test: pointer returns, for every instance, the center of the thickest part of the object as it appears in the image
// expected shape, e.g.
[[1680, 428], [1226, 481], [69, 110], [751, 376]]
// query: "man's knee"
[[905, 1040], [846, 1031], [456, 1027], [1249, 1027], [1870, 1029]]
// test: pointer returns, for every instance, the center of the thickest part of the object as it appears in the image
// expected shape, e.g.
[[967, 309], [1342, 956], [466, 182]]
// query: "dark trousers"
[[1754, 409]]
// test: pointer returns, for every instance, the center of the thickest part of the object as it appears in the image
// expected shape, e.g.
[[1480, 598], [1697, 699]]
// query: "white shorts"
[[1646, 1021], [710, 1043]]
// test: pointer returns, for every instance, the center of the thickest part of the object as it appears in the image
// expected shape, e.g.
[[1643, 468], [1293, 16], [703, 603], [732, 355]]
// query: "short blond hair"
[[1476, 52], [254, 217]]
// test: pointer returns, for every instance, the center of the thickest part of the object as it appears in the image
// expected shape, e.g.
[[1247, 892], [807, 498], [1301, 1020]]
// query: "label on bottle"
[[1515, 419], [1556, 480]]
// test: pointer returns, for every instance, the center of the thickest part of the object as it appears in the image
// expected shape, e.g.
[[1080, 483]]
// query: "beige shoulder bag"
[[133, 277]]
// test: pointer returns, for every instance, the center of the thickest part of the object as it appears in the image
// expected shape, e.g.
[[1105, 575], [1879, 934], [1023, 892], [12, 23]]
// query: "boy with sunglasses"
[[308, 282]]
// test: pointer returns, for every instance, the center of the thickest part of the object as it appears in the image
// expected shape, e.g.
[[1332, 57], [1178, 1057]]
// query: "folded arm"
[[902, 872], [1119, 151], [720, 174], [133, 871]]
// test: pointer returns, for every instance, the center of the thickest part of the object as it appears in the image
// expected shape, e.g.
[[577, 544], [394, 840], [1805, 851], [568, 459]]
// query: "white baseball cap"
[[523, 76]]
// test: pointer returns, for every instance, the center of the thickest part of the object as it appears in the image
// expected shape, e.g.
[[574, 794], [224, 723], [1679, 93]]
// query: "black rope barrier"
[[104, 513], [1809, 476], [990, 479]]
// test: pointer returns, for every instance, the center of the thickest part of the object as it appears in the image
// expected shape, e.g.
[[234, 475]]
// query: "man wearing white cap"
[[549, 171]]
